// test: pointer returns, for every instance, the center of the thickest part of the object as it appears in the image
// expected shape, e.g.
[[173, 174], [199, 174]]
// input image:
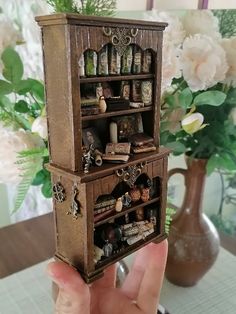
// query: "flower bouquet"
[[199, 86]]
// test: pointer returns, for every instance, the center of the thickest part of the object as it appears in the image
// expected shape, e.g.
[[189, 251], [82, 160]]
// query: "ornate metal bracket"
[[59, 193], [120, 37], [131, 173], [75, 209]]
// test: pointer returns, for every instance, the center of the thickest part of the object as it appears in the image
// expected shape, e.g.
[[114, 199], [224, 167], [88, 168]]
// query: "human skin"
[[139, 294]]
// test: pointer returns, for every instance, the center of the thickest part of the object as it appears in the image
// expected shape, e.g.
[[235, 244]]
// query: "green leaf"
[[37, 90], [176, 147], [5, 88], [47, 188], [40, 177], [170, 100], [212, 98], [231, 97], [21, 106], [24, 86], [13, 66], [186, 98]]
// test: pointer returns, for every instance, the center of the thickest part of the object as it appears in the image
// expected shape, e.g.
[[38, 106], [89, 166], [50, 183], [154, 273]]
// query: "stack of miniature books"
[[141, 143]]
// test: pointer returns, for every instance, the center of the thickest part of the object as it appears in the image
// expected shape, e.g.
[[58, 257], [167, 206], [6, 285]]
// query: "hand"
[[138, 295]]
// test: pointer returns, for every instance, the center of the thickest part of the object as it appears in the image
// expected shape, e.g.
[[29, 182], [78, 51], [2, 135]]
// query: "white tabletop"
[[29, 291]]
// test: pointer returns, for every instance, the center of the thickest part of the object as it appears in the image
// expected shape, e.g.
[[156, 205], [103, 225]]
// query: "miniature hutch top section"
[[65, 39]]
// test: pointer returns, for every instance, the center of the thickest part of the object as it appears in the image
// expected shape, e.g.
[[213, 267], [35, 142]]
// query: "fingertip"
[[64, 275]]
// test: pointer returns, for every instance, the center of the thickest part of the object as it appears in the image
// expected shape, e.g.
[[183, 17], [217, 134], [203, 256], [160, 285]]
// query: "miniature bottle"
[[90, 63], [119, 205], [147, 62], [103, 61], [114, 61], [126, 61], [81, 66], [102, 104], [107, 249], [113, 132], [137, 60]]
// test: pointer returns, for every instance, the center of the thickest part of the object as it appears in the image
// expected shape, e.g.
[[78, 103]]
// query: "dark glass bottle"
[[90, 63], [103, 61], [126, 61], [114, 61], [137, 60]]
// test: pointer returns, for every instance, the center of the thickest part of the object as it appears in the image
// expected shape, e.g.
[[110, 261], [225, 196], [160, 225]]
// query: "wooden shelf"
[[130, 249], [98, 79], [116, 113], [109, 168], [126, 211]]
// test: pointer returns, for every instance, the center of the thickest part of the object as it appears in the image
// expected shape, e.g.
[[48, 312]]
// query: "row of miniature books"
[[108, 62]]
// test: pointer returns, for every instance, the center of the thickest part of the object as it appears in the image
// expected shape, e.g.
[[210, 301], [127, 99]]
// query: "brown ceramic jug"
[[193, 239]]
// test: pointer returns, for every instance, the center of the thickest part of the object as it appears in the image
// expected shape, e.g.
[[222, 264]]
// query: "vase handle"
[[177, 171]]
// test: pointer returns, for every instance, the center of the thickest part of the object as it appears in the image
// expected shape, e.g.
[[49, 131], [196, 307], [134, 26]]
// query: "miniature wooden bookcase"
[[109, 173]]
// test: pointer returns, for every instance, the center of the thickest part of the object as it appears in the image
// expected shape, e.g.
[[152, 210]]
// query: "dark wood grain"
[[126, 211], [26, 243], [98, 79], [116, 113]]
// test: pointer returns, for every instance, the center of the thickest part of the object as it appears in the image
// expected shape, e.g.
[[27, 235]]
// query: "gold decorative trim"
[[120, 37], [131, 173]]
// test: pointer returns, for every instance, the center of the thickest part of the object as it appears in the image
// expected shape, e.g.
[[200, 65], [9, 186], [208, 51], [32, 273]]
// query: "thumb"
[[74, 295]]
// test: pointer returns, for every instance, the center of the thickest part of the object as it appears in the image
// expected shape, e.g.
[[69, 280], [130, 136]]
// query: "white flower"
[[170, 65], [201, 22], [203, 62], [174, 32], [193, 122], [40, 126], [13, 142], [229, 46], [232, 115], [9, 36]]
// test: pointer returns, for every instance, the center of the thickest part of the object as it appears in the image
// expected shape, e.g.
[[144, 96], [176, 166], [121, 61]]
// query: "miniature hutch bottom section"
[[103, 220]]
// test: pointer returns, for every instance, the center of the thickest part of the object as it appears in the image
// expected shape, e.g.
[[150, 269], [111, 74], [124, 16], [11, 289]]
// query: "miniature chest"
[[109, 174]]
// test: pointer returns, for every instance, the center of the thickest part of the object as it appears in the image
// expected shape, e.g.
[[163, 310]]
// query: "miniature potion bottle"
[[107, 249], [81, 66], [114, 61], [119, 205], [103, 61], [147, 62], [102, 104], [137, 60], [90, 63], [126, 60]]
